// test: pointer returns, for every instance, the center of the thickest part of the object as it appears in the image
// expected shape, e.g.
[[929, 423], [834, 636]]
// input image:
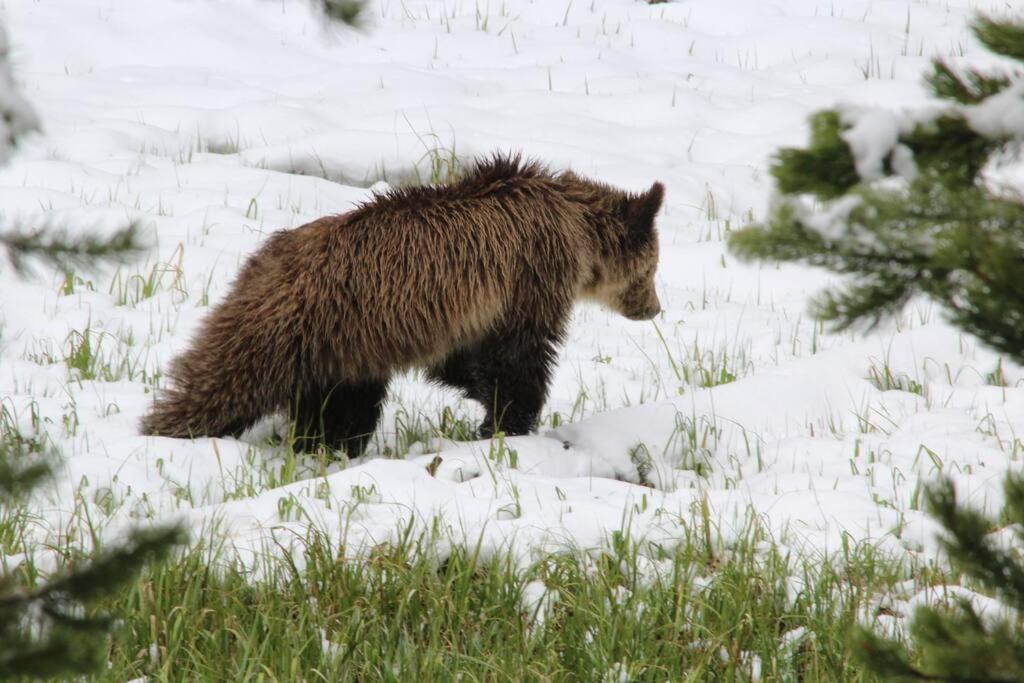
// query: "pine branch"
[[867, 301], [65, 639], [886, 657], [950, 150], [941, 233], [1001, 37], [962, 247], [59, 655], [45, 630], [947, 147], [66, 251], [17, 117], [22, 465], [825, 169], [958, 645], [349, 12], [946, 84], [16, 479], [1013, 488], [969, 547], [103, 574]]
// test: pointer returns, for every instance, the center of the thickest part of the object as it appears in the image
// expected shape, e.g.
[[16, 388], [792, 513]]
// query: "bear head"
[[622, 274]]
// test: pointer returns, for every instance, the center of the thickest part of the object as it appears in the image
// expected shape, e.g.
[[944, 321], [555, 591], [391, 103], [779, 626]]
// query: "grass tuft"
[[710, 608]]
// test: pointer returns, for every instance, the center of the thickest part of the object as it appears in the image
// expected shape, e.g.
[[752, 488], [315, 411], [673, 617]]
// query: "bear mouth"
[[646, 314]]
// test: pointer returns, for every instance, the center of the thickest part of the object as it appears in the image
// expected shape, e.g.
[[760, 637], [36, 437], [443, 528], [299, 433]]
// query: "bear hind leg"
[[342, 417], [458, 371]]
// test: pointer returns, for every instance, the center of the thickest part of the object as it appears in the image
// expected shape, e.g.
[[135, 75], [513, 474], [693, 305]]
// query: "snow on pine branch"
[[876, 136], [832, 222], [873, 135], [1000, 116]]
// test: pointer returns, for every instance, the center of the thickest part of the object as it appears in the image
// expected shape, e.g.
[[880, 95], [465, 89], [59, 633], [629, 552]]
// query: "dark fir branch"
[[47, 628], [349, 12], [104, 573], [1001, 37], [47, 631], [59, 249], [963, 248], [23, 461], [946, 145], [943, 234], [17, 478], [946, 84], [957, 643], [825, 169]]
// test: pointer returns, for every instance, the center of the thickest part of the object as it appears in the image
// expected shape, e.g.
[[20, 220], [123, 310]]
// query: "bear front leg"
[[342, 417], [515, 370]]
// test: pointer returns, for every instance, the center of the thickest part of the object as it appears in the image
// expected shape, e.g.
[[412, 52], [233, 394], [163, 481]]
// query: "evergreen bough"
[[900, 202], [959, 644], [65, 251], [46, 630], [905, 205], [17, 117], [351, 12]]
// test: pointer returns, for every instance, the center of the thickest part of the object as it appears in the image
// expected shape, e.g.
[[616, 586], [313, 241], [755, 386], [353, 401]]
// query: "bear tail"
[[192, 409], [175, 415]]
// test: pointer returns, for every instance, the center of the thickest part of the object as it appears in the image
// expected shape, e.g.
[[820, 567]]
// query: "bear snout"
[[647, 310], [646, 314]]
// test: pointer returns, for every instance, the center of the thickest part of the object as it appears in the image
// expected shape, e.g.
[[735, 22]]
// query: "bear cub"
[[473, 281]]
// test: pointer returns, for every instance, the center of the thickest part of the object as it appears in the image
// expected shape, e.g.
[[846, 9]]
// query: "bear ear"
[[641, 210]]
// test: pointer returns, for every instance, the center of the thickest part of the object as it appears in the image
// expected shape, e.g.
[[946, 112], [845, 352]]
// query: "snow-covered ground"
[[216, 122]]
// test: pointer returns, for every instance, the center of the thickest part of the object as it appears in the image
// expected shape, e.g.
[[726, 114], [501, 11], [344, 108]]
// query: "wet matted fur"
[[474, 281]]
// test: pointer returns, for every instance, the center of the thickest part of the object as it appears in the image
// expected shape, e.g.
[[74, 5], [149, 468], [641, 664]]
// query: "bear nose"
[[646, 314], [653, 306]]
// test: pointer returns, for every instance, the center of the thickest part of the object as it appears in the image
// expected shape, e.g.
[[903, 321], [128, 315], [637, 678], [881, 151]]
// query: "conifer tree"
[[911, 204]]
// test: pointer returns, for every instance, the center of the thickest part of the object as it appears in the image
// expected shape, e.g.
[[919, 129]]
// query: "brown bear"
[[474, 281]]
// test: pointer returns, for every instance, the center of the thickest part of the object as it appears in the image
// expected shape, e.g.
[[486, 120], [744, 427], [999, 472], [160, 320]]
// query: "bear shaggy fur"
[[473, 281]]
